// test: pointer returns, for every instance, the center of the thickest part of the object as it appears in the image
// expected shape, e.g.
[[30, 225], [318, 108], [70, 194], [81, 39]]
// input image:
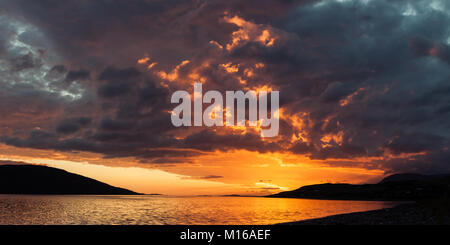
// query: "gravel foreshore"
[[435, 212]]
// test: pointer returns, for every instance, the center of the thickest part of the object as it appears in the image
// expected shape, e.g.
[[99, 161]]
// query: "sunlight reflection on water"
[[159, 210]]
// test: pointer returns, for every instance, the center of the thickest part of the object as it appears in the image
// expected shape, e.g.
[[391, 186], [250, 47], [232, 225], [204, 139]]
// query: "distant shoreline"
[[397, 187]]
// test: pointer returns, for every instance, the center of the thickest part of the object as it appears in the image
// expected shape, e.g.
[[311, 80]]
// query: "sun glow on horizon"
[[234, 172]]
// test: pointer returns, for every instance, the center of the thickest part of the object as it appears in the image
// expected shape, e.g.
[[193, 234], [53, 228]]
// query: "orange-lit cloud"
[[248, 31]]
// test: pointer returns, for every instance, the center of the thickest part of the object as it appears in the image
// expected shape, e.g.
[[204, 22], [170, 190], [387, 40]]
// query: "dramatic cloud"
[[357, 79]]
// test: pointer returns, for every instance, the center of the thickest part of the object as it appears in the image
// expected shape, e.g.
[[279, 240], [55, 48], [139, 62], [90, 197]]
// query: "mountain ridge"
[[43, 180], [394, 187]]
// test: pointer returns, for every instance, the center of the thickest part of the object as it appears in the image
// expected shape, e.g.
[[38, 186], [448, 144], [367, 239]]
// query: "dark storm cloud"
[[59, 69], [336, 91], [420, 46], [72, 125], [24, 62], [115, 125], [113, 89], [424, 47], [209, 141], [113, 73], [367, 78], [75, 75], [415, 143], [301, 148]]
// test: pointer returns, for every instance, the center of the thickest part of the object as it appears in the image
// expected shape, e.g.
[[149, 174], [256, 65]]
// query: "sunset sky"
[[364, 90]]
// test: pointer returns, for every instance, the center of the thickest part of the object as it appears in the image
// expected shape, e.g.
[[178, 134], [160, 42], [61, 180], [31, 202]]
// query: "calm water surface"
[[159, 210]]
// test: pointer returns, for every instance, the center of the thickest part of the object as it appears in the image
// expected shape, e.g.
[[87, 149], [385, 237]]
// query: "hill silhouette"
[[394, 187], [34, 179]]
